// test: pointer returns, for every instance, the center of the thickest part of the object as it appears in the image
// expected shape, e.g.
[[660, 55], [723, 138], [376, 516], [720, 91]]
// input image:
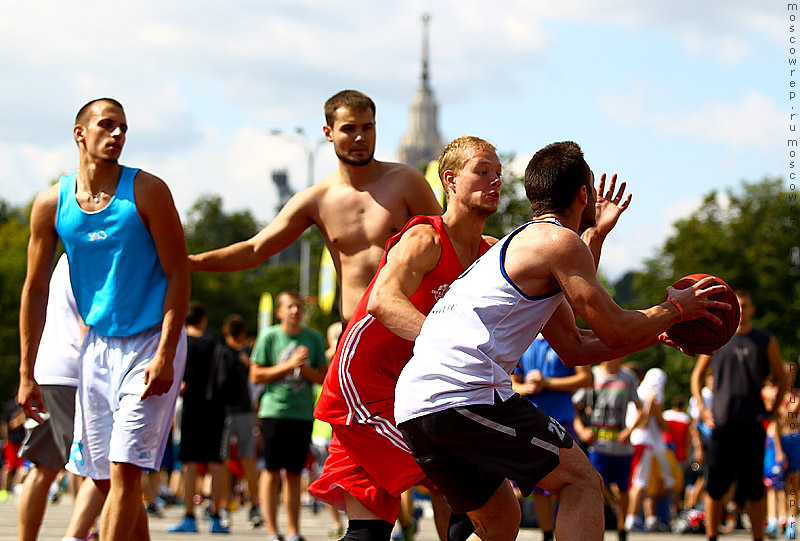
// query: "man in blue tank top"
[[130, 277]]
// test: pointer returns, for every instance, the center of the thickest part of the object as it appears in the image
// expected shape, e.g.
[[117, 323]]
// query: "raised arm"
[[607, 212], [155, 204], [33, 302], [415, 255], [294, 218]]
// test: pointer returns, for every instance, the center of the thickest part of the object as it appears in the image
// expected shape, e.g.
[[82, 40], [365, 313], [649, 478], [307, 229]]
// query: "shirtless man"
[[454, 402], [130, 277], [356, 208]]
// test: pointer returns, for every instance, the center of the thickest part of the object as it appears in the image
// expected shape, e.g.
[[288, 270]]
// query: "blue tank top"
[[540, 356], [116, 275]]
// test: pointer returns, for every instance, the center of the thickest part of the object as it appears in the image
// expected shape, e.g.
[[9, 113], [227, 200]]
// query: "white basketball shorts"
[[112, 422]]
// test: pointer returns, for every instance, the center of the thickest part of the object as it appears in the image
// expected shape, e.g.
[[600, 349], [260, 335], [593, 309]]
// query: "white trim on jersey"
[[358, 411]]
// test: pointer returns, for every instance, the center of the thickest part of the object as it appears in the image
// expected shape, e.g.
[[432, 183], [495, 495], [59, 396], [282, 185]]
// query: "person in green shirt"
[[288, 359]]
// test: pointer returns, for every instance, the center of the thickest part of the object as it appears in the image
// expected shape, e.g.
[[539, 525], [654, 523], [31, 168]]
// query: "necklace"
[[96, 196]]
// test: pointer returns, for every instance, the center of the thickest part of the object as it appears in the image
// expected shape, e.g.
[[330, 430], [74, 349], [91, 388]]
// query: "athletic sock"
[[368, 530], [460, 527]]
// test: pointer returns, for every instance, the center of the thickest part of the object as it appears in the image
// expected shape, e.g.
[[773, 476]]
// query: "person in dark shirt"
[[232, 367], [201, 421], [736, 450]]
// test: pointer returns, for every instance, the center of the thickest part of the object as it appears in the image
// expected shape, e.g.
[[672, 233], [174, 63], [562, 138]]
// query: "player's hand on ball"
[[695, 302]]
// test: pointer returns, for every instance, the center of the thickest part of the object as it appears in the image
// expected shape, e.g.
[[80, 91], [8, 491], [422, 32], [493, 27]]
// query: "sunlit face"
[[352, 135], [103, 134], [290, 310], [589, 215], [477, 184]]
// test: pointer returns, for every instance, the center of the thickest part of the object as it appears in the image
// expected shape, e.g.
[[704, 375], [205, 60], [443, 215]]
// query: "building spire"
[[422, 143], [425, 21]]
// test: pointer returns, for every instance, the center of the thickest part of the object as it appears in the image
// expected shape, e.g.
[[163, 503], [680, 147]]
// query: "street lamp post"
[[310, 148]]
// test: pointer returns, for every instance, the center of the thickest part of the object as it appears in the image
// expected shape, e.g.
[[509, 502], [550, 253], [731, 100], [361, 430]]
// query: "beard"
[[588, 219], [355, 162]]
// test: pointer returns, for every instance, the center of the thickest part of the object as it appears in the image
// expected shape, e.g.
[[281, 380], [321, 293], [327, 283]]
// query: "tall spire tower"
[[422, 143]]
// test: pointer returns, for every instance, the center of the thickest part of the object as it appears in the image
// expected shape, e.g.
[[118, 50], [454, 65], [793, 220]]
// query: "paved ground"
[[314, 527]]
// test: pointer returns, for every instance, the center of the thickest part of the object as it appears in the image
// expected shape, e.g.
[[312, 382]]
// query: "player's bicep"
[[43, 239], [416, 254], [155, 203]]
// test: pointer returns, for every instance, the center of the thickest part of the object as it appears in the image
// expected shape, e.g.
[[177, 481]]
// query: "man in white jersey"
[[47, 444], [130, 277], [454, 402]]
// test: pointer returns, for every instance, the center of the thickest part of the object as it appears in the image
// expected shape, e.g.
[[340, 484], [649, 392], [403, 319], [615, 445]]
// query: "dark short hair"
[[554, 177], [195, 313], [679, 402], [83, 115], [351, 99], [234, 325]]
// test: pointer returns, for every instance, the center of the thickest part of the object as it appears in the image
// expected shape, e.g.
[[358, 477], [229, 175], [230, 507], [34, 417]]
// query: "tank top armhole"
[[65, 187], [503, 250]]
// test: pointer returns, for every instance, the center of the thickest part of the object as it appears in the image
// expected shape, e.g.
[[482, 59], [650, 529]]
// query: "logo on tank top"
[[439, 292], [97, 235]]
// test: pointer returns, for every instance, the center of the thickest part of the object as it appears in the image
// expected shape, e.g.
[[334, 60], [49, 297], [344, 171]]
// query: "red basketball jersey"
[[359, 385]]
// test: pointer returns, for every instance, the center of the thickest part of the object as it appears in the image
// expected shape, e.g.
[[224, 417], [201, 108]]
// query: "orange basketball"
[[702, 335]]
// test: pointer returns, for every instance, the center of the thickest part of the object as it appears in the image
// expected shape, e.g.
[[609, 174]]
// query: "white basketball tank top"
[[57, 360], [473, 338]]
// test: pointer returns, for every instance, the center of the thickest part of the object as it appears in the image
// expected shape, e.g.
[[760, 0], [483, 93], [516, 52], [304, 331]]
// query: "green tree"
[[13, 246], [513, 209], [742, 237]]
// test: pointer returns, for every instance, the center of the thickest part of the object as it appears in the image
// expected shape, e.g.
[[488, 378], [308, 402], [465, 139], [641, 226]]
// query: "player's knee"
[[368, 530], [505, 529]]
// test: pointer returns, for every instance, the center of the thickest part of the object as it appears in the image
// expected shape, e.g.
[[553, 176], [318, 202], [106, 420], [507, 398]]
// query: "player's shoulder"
[[149, 181], [396, 168], [422, 232], [556, 241], [45, 204], [49, 195], [399, 171]]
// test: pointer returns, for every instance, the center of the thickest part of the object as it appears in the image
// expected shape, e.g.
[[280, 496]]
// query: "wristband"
[[679, 307]]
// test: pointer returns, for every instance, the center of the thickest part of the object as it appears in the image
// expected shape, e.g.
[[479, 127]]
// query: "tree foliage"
[[13, 245], [742, 237]]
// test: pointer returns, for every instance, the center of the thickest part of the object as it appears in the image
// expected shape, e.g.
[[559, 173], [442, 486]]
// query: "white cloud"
[[751, 120]]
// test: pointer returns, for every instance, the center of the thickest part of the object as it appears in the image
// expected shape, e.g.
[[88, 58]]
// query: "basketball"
[[702, 335]]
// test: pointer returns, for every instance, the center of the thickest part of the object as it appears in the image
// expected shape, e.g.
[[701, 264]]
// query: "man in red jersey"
[[369, 465]]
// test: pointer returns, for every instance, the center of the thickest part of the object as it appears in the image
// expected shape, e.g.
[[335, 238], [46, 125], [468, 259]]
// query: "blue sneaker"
[[187, 525], [218, 527], [789, 532]]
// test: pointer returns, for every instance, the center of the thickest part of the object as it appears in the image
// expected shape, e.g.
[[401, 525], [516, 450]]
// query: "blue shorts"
[[614, 469]]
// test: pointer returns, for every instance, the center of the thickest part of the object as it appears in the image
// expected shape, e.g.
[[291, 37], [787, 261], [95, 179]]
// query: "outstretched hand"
[[608, 207]]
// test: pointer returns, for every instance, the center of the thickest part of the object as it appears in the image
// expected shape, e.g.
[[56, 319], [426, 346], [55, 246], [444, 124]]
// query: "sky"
[[678, 98]]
